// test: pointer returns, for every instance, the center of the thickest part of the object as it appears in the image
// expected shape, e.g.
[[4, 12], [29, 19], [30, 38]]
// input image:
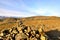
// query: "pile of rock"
[[23, 32]]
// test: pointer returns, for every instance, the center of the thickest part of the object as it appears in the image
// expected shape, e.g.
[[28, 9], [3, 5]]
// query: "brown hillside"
[[51, 24]]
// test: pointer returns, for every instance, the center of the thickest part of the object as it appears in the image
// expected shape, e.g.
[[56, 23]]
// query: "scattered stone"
[[23, 32]]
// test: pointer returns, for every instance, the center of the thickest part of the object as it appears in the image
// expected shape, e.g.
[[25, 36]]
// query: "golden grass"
[[51, 23]]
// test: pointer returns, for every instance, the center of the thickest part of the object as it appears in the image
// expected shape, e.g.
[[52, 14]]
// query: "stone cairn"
[[23, 32]]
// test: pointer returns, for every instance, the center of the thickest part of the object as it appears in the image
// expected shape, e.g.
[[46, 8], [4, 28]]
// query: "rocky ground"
[[23, 32], [30, 28]]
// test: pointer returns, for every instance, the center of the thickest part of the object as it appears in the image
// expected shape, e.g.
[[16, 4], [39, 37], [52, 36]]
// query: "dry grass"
[[50, 23]]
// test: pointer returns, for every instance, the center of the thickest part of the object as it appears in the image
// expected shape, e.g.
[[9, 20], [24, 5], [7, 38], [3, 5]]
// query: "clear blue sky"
[[25, 8]]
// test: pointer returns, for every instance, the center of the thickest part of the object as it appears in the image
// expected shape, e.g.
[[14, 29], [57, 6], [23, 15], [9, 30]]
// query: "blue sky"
[[26, 8]]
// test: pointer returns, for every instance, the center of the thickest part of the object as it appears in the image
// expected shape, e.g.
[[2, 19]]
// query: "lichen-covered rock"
[[20, 36], [1, 34], [23, 32]]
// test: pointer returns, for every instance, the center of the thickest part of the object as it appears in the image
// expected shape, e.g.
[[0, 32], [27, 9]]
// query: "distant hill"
[[50, 22]]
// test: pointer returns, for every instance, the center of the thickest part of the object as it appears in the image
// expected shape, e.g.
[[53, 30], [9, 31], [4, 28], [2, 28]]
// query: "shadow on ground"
[[54, 34]]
